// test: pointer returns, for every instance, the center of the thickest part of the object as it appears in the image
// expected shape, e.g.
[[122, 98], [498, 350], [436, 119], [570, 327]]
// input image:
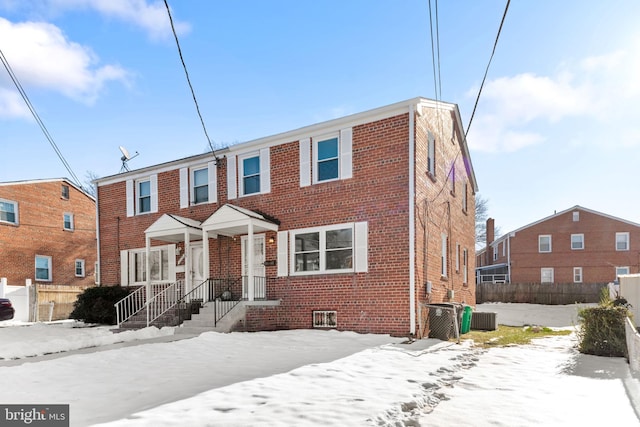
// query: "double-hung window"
[[577, 241], [143, 196], [250, 175], [79, 268], [443, 255], [67, 221], [200, 179], [8, 211], [622, 241], [329, 249], [65, 192], [43, 268], [546, 275], [544, 243], [431, 155], [328, 159], [577, 274]]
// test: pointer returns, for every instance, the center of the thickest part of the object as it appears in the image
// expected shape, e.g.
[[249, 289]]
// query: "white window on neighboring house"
[[253, 173], [79, 267], [96, 273], [142, 195], [621, 270], [457, 257], [577, 241], [65, 192], [546, 275], [67, 221], [465, 189], [465, 257], [8, 211], [43, 268], [452, 180], [161, 265], [443, 255], [622, 241], [577, 274], [576, 216], [330, 249], [544, 243]]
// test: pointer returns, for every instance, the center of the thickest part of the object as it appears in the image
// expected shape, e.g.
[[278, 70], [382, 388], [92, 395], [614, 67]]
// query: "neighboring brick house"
[[47, 233], [349, 218], [577, 245]]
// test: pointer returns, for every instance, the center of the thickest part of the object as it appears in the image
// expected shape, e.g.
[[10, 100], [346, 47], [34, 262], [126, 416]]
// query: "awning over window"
[[232, 220], [172, 228]]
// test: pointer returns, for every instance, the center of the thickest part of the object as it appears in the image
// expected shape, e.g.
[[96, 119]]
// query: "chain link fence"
[[442, 321]]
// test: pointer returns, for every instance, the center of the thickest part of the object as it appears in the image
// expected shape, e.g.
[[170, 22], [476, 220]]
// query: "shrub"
[[603, 332], [96, 305]]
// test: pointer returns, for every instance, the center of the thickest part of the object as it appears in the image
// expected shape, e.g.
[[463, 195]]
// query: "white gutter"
[[97, 274], [412, 223]]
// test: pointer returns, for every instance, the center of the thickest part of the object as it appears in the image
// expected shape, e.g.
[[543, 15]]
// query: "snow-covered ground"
[[305, 377]]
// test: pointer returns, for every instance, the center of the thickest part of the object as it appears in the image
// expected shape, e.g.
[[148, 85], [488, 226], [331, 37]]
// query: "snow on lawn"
[[310, 377]]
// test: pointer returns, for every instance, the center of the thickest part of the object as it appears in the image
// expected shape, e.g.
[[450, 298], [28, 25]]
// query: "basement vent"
[[484, 321], [325, 319]]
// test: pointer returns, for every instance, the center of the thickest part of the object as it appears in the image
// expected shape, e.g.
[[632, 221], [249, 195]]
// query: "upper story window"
[[576, 216], [142, 195], [443, 255], [577, 241], [328, 156], [79, 267], [431, 155], [327, 160], [200, 188], [544, 243], [622, 241], [67, 221], [465, 189], [452, 180], [253, 173], [250, 175], [65, 192], [8, 211], [43, 268]]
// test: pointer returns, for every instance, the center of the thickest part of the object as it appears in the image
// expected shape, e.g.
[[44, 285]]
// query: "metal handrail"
[[164, 301]]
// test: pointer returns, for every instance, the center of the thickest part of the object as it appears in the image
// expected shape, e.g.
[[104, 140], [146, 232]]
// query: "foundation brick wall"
[[40, 232]]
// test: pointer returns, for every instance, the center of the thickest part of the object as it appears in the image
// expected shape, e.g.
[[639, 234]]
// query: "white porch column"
[[250, 256], [205, 261], [147, 252], [188, 271]]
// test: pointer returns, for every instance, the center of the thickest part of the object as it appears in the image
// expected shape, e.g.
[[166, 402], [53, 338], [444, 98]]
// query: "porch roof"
[[231, 220], [172, 228]]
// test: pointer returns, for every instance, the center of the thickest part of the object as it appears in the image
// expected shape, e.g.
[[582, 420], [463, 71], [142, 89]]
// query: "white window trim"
[[540, 243], [457, 257], [75, 268], [581, 242], [264, 160], [71, 223], [50, 263], [15, 211], [627, 241], [576, 216], [345, 155], [579, 270], [359, 248], [431, 154], [621, 267], [187, 199], [465, 257], [127, 266], [443, 255], [132, 199], [241, 159], [542, 271]]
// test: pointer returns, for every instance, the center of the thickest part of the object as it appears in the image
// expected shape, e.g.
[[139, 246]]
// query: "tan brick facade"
[[598, 258], [379, 193], [40, 231]]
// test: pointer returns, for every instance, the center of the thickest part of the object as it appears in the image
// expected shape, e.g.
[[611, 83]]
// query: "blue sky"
[[557, 124]]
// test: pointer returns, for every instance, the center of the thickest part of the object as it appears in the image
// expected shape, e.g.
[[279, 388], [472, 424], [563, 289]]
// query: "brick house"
[[577, 245], [47, 233], [349, 219]]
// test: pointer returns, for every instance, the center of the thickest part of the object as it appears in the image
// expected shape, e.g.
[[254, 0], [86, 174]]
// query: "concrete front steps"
[[205, 320]]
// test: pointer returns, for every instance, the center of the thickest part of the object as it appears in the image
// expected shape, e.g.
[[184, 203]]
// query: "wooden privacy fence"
[[55, 302], [537, 293]]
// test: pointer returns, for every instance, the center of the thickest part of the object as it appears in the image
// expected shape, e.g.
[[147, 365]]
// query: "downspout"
[[412, 223]]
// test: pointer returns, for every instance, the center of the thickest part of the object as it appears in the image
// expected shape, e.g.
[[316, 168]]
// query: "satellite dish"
[[125, 158]]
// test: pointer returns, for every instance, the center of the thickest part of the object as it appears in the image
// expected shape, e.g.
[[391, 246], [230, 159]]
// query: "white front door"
[[259, 271], [197, 269]]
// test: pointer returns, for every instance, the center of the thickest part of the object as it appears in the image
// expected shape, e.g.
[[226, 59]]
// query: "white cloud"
[[41, 56], [150, 16], [12, 105], [514, 112]]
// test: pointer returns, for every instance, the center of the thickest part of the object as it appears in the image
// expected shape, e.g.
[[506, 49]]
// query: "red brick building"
[[47, 233], [349, 220], [577, 245]]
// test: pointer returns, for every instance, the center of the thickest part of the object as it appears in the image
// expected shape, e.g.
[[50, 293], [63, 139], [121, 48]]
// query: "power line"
[[487, 70], [433, 54], [35, 115], [193, 94]]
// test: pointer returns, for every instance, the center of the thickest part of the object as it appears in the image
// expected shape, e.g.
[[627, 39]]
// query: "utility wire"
[[193, 94], [35, 115], [433, 55], [487, 70]]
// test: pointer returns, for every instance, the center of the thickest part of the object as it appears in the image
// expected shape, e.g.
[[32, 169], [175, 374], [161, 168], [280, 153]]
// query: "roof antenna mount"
[[125, 158]]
